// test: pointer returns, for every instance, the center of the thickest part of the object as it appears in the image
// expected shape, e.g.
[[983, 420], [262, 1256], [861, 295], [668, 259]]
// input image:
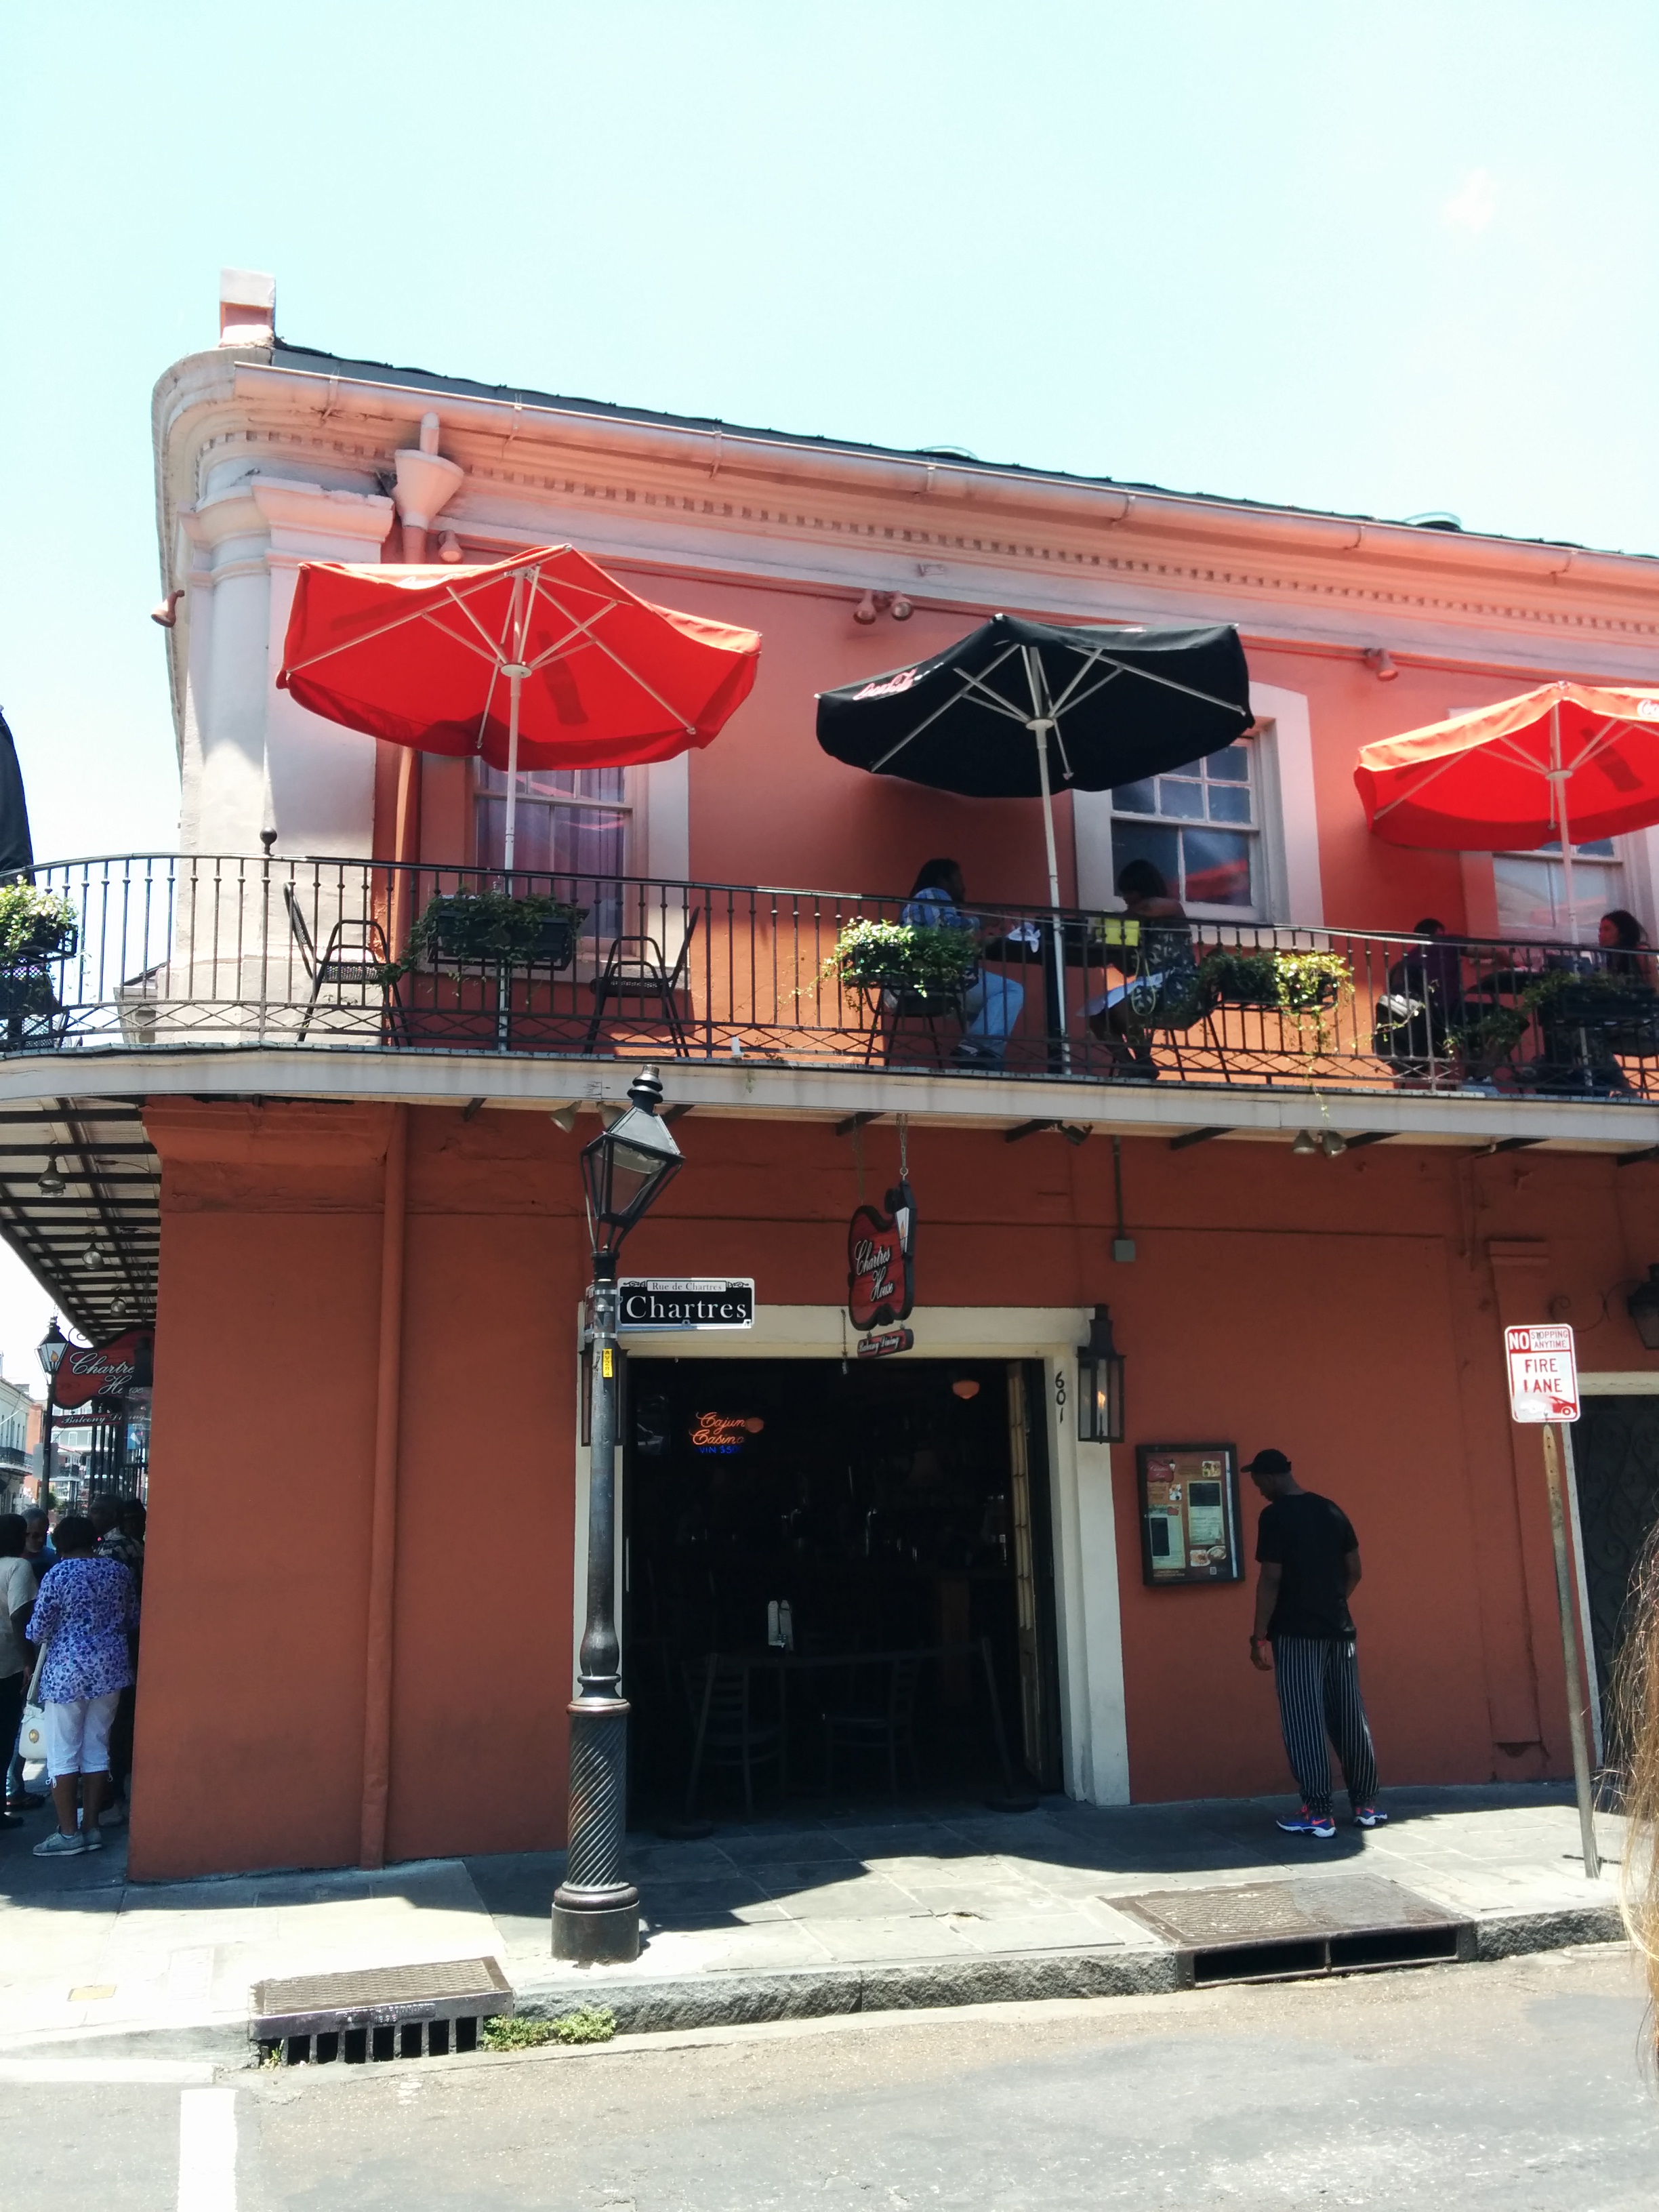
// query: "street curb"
[[680, 2002], [644, 2007]]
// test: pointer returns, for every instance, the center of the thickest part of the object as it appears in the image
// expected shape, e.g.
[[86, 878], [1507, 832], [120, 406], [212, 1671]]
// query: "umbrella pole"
[[1558, 786], [1056, 934], [515, 677]]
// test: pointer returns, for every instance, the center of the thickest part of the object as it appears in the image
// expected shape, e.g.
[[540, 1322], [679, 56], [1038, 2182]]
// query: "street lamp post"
[[50, 1352], [596, 1910]]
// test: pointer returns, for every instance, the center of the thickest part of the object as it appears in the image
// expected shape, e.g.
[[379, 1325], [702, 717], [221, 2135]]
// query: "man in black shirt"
[[1310, 1560]]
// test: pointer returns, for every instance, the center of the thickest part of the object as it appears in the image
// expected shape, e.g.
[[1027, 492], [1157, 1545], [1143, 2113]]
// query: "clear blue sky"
[[1389, 258]]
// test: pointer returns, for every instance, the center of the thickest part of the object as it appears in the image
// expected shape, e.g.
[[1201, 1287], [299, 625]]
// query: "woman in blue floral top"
[[85, 1607]]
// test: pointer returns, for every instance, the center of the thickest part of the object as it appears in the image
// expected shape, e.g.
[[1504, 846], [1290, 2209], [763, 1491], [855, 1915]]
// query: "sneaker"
[[1367, 1816], [1305, 1823], [115, 1815], [92, 1840], [58, 1845]]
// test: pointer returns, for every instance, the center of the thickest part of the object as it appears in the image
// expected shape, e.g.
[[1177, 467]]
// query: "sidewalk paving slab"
[[844, 1910]]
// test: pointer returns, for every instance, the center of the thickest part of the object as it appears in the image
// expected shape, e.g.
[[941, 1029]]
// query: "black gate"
[[1616, 1457]]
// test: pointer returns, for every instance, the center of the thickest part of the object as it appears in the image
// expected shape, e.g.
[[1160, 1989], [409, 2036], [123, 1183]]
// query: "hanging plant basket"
[[911, 958], [1289, 983], [35, 925]]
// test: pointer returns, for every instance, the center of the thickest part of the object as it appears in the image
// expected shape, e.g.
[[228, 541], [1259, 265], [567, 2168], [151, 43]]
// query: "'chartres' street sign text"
[[1543, 1374], [664, 1302]]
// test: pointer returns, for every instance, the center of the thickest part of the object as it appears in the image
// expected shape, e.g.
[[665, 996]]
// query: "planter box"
[[458, 935]]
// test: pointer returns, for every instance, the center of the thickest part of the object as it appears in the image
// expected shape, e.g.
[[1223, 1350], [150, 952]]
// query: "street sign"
[[676, 1303], [1543, 1374]]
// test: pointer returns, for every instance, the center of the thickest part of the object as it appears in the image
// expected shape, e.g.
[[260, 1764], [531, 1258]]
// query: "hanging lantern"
[[1643, 1307], [1100, 1384]]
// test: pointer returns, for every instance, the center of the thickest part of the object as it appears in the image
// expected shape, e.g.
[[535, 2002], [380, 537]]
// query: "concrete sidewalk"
[[839, 1912]]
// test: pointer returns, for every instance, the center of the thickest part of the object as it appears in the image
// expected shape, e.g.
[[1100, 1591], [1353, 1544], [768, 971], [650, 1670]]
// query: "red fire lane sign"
[[1543, 1374]]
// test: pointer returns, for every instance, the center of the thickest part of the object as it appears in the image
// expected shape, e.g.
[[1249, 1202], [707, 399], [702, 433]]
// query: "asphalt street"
[[1523, 2086]]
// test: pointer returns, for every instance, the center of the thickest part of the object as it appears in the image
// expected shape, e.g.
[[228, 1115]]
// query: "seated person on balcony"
[[1164, 984], [990, 1004], [1625, 943], [1422, 998]]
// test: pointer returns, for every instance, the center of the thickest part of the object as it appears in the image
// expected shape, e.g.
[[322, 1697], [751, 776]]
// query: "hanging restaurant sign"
[[880, 1261], [96, 1370], [691, 1301], [885, 1342]]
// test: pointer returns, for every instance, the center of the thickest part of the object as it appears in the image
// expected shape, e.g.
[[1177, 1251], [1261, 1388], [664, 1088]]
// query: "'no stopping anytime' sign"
[[1543, 1374]]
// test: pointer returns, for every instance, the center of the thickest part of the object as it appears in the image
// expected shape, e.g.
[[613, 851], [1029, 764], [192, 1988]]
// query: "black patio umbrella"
[[1016, 708], [16, 852]]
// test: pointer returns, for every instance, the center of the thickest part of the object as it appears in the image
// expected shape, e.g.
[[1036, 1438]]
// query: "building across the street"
[[335, 1191]]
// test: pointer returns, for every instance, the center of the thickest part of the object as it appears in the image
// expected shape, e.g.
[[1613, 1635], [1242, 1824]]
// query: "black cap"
[[1267, 1462]]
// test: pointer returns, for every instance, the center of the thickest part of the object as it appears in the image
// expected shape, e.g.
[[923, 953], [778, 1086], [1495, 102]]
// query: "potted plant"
[[915, 959], [500, 929], [35, 926]]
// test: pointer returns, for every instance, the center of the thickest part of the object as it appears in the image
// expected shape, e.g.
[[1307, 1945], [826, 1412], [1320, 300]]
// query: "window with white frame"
[[1532, 891], [568, 822], [1201, 827]]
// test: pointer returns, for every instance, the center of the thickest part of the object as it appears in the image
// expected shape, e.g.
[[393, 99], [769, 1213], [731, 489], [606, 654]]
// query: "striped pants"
[[1317, 1678]]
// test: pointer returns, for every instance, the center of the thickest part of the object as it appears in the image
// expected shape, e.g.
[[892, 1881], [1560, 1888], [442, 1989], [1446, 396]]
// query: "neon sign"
[[725, 1433]]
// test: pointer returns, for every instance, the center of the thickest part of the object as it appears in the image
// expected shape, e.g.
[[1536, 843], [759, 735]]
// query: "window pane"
[[600, 783], [1231, 766], [1217, 871], [1532, 895], [1229, 802], [1136, 797], [1183, 802], [583, 841], [1602, 849], [1145, 840]]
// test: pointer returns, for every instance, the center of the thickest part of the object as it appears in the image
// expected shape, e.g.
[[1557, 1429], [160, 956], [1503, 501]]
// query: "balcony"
[[185, 955]]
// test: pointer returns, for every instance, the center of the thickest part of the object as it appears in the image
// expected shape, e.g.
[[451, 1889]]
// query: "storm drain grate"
[[1260, 1931], [388, 2012]]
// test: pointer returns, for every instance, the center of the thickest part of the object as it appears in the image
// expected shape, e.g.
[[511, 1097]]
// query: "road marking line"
[[207, 2150], [171, 2073]]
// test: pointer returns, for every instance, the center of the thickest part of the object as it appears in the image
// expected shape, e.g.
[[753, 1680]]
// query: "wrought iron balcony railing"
[[179, 952]]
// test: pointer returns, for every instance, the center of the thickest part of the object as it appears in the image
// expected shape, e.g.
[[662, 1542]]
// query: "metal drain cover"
[[384, 1996], [1310, 1905]]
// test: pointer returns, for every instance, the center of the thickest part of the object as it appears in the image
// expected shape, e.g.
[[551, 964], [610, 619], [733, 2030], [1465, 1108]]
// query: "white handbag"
[[32, 1735]]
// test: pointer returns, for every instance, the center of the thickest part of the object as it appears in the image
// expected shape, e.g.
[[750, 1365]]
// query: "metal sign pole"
[[1581, 1757]]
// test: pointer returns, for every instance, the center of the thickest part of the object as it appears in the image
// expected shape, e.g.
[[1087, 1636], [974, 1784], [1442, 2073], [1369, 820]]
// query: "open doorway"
[[838, 1578]]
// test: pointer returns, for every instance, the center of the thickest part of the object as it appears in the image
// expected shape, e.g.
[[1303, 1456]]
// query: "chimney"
[[247, 307]]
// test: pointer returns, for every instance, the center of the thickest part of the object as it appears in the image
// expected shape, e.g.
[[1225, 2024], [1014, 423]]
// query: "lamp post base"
[[606, 1936]]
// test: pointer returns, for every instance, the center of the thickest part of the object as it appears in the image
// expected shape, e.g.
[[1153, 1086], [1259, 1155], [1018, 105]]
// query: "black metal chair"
[[889, 1730], [356, 956], [638, 969], [730, 1736]]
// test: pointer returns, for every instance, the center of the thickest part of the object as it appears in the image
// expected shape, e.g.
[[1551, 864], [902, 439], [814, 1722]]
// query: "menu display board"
[[1190, 1513]]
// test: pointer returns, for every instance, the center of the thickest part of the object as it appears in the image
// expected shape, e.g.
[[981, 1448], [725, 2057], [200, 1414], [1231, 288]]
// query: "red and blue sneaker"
[[1367, 1816], [1305, 1823]]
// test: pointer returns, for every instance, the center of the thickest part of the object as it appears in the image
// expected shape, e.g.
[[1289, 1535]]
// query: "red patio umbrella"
[[541, 661], [1566, 761]]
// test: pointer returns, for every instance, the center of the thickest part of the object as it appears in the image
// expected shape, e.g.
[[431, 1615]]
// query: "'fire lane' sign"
[[1543, 1374], [664, 1302]]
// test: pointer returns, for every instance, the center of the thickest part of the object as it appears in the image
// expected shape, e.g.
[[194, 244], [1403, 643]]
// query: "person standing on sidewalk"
[[1304, 1634], [83, 1613], [18, 1588]]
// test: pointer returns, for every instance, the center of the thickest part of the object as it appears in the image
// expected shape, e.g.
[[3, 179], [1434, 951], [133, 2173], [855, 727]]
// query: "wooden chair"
[[356, 956], [637, 969], [730, 1736], [890, 1729]]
